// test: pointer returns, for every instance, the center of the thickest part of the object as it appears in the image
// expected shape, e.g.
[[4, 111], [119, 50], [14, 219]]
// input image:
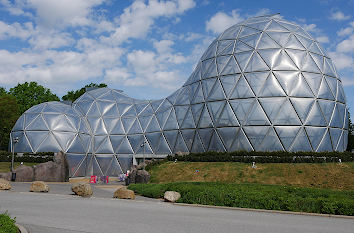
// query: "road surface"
[[64, 213]]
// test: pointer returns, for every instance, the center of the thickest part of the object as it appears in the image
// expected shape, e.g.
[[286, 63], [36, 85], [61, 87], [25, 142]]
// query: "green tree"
[[2, 91], [30, 94], [73, 95], [9, 114]]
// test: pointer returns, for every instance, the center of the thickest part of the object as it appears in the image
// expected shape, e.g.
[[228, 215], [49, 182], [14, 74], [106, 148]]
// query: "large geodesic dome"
[[264, 84]]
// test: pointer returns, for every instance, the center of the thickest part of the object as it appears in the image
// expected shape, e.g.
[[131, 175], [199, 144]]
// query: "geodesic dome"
[[264, 85], [51, 126]]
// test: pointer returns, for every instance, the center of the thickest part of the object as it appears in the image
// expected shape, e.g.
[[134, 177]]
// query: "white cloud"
[[341, 60], [339, 16], [347, 45], [221, 21], [322, 39], [137, 19], [346, 31], [15, 30]]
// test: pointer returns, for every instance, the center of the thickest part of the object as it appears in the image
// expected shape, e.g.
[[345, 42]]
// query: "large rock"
[[24, 173], [124, 193], [82, 189], [142, 176], [4, 184], [39, 186], [56, 171], [171, 196], [53, 171]]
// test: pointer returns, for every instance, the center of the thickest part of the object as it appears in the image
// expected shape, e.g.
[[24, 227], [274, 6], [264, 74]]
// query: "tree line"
[[15, 101]]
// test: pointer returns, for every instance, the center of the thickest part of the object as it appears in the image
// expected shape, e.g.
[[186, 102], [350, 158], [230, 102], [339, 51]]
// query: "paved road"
[[62, 213]]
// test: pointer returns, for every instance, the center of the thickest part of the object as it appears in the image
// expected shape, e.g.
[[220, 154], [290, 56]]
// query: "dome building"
[[264, 84]]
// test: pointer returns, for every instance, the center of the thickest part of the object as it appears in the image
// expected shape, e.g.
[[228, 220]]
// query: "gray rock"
[[4, 184], [57, 171], [6, 176], [82, 189], [24, 173], [39, 186], [142, 176], [171, 196], [124, 193]]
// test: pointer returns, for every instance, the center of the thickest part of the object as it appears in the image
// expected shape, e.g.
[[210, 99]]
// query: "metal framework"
[[264, 84]]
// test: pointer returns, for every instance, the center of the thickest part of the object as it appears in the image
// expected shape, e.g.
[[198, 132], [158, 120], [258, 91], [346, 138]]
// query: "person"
[[127, 178]]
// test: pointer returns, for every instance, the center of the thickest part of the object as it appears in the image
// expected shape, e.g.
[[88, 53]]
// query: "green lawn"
[[338, 176], [6, 166]]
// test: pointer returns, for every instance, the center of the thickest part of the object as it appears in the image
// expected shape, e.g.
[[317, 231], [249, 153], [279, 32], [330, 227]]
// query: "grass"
[[7, 224], [317, 175], [6, 166], [258, 196]]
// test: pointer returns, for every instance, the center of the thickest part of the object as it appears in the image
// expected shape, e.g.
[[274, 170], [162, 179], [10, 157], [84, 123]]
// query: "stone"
[[142, 176], [24, 173], [171, 196], [82, 189], [6, 176], [132, 175], [124, 193], [4, 184], [39, 186], [53, 171]]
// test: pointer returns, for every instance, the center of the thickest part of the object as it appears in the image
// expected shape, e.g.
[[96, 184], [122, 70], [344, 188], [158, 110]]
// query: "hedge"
[[257, 196], [265, 157], [39, 157]]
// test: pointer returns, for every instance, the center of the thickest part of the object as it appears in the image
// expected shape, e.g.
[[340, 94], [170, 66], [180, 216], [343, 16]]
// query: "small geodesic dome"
[[52, 126]]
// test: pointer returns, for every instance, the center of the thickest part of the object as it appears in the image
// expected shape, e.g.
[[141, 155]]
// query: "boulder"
[[132, 175], [39, 186], [24, 173], [142, 176], [124, 193], [6, 176], [171, 196], [82, 189], [53, 171], [4, 184], [56, 171]]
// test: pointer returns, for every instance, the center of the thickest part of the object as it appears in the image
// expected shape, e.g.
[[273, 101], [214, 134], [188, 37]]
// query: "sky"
[[147, 48]]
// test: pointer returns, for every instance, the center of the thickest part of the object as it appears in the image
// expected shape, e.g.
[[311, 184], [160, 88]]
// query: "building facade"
[[264, 84]]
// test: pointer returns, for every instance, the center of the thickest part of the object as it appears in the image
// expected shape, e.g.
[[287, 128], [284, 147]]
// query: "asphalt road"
[[64, 213]]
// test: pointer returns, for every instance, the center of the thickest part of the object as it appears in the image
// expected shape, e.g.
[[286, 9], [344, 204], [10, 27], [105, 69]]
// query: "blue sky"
[[146, 48]]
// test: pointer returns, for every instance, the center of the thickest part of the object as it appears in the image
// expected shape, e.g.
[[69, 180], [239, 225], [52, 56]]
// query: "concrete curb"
[[21, 228], [265, 211]]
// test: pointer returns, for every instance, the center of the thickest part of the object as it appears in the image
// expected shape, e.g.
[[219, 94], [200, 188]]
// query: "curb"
[[21, 228], [266, 211]]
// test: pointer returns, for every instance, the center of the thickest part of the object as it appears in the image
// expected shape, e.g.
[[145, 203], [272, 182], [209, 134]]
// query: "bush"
[[39, 157], [257, 196], [7, 224], [265, 157]]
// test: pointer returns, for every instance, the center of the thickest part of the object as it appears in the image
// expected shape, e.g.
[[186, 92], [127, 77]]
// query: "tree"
[[2, 91], [30, 94], [9, 114], [73, 95]]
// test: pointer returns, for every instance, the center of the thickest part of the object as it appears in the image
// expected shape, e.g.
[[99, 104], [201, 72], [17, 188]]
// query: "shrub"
[[257, 196], [7, 224], [265, 157], [39, 157]]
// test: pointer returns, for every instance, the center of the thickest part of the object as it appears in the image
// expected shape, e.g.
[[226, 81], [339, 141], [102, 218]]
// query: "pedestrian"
[[127, 178]]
